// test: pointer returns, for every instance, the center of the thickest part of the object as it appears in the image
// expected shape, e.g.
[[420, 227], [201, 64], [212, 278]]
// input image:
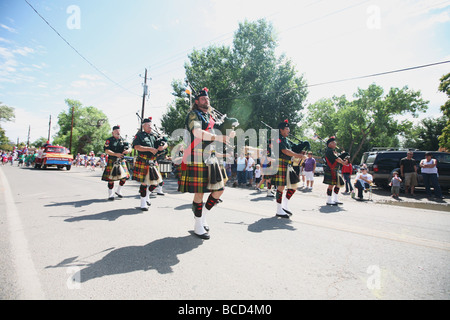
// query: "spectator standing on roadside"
[[241, 164], [430, 175], [347, 170], [249, 170], [308, 170], [408, 170]]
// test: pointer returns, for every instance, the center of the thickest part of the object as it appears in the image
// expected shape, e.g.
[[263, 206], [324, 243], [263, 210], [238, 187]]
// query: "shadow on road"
[[110, 215], [272, 223], [331, 209], [160, 255]]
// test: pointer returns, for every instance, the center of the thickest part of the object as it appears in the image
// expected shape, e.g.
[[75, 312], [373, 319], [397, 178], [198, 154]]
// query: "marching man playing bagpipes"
[[116, 169], [332, 176], [145, 168], [201, 171], [285, 176]]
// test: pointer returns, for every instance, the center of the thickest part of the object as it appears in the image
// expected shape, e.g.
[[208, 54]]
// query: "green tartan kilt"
[[141, 167], [109, 167], [279, 179], [333, 177]]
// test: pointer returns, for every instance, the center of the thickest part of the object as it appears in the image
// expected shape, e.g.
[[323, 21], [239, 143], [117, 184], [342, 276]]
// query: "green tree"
[[6, 114], [425, 135], [370, 120], [444, 138], [39, 142], [90, 128], [175, 116], [247, 81]]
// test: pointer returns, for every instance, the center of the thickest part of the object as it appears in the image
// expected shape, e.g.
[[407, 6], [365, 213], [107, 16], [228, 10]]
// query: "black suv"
[[381, 165]]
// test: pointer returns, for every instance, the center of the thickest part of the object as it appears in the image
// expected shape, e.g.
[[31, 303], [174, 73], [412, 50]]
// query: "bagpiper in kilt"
[[116, 168], [146, 170], [331, 173], [198, 173], [285, 176]]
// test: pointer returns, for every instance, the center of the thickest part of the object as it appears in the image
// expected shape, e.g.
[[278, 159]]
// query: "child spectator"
[[258, 177], [395, 185]]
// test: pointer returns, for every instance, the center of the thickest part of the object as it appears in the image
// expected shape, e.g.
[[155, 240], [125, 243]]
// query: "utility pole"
[[28, 140], [71, 131], [49, 126], [143, 97]]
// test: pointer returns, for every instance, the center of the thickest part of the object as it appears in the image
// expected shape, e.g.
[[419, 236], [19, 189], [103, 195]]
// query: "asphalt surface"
[[62, 239]]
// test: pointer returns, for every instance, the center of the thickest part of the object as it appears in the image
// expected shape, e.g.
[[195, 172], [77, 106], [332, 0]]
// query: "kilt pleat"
[[109, 167]]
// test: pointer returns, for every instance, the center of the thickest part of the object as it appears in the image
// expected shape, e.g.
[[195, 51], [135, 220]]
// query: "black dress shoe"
[[144, 209], [119, 195], [285, 216], [287, 211], [204, 236]]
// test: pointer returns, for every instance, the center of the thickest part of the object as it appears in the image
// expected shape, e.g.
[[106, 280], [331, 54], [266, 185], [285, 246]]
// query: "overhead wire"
[[338, 81]]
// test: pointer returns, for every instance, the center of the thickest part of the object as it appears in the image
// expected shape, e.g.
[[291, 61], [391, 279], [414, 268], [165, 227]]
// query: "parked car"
[[319, 169], [381, 164]]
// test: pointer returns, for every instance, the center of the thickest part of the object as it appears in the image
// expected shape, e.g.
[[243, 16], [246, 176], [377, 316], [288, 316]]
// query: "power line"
[[74, 49], [341, 80]]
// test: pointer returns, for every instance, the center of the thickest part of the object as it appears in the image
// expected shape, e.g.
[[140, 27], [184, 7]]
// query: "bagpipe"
[[161, 140], [296, 147]]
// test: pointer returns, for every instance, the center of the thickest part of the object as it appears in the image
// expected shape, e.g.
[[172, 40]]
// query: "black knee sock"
[[211, 202], [279, 196], [290, 193], [143, 190], [197, 209]]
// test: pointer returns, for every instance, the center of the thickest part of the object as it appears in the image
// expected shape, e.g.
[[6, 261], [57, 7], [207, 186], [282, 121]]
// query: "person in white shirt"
[[249, 170], [430, 175], [363, 181]]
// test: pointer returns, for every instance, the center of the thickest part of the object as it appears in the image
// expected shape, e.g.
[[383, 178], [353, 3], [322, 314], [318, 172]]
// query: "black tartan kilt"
[[333, 177], [109, 167]]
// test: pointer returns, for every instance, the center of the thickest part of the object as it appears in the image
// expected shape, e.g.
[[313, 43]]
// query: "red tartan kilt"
[[141, 167], [279, 179], [195, 179], [109, 166]]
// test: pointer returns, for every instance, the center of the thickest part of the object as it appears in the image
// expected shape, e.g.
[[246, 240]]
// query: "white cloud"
[[12, 30], [24, 51], [24, 119]]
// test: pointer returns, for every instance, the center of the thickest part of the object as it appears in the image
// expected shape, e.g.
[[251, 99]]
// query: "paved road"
[[61, 239]]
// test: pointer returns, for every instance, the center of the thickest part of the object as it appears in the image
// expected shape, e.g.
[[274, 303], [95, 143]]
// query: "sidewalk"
[[383, 196]]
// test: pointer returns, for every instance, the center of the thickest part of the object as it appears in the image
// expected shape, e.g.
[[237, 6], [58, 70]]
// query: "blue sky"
[[327, 40]]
